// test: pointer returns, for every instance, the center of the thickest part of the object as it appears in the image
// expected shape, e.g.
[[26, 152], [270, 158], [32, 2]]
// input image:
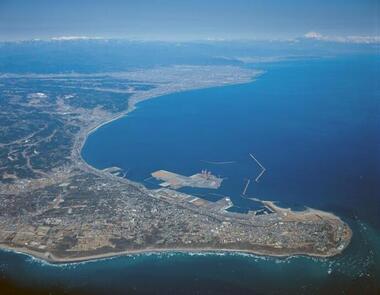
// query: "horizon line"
[[312, 36]]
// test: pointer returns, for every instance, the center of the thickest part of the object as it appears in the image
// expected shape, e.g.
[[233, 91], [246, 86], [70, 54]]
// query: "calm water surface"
[[314, 125]]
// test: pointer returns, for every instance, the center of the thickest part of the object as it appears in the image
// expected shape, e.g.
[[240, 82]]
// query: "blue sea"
[[313, 124]]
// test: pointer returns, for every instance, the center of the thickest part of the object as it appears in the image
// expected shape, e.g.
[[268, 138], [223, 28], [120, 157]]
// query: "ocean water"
[[313, 124]]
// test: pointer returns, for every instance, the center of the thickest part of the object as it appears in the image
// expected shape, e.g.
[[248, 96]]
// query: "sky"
[[188, 20]]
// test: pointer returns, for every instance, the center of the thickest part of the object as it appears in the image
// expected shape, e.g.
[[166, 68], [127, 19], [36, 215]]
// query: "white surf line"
[[261, 166], [218, 163], [246, 187]]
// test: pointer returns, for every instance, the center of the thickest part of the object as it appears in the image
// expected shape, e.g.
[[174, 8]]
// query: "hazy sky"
[[191, 19]]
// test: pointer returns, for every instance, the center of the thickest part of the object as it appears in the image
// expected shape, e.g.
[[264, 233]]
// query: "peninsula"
[[54, 206]]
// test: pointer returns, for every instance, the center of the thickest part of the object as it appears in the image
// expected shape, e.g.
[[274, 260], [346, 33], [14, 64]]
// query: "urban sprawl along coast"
[[54, 206]]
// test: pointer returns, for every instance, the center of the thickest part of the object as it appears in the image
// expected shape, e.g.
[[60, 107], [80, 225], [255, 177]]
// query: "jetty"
[[261, 166]]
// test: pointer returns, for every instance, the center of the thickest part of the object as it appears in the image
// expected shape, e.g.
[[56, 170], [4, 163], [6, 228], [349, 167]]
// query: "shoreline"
[[81, 139], [53, 260], [132, 104], [80, 163]]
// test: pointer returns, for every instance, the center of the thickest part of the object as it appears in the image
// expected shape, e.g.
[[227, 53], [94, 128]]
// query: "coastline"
[[133, 101], [79, 162], [51, 259]]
